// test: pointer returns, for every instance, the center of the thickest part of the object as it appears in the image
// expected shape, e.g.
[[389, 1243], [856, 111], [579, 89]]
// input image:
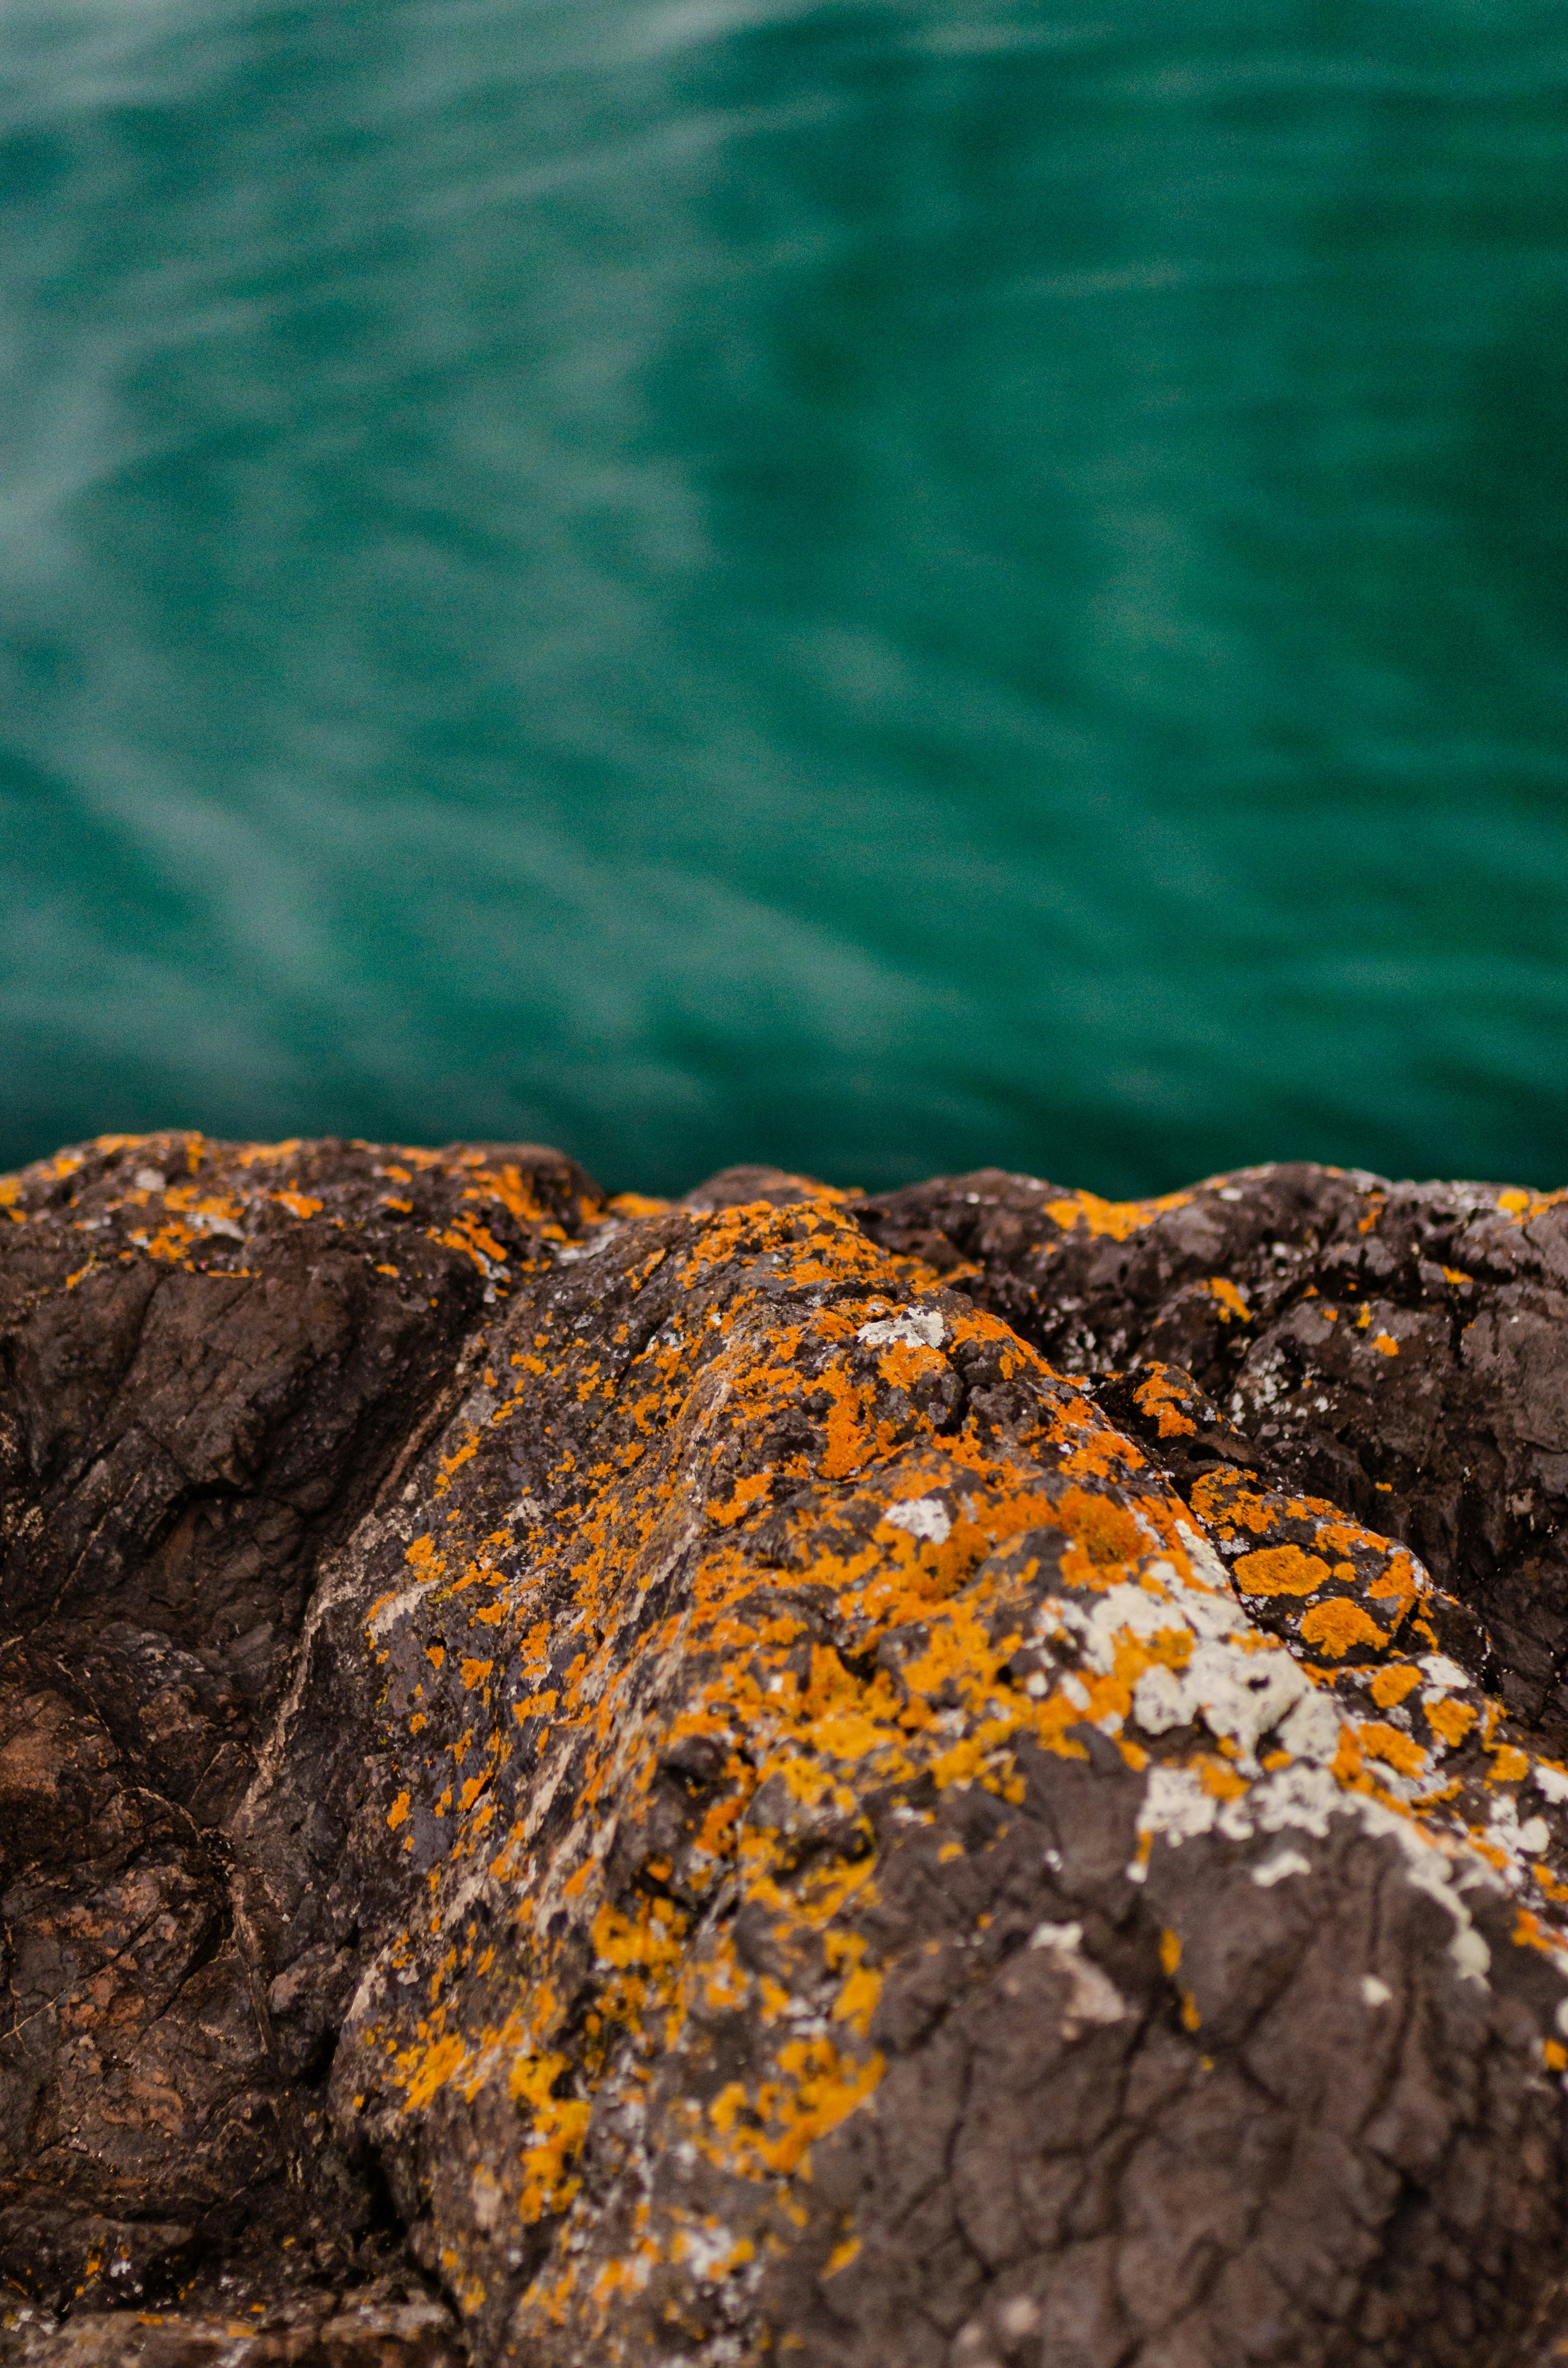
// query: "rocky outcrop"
[[972, 1779]]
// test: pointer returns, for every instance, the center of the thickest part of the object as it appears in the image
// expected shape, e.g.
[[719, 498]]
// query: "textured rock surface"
[[971, 1777], [1399, 1347]]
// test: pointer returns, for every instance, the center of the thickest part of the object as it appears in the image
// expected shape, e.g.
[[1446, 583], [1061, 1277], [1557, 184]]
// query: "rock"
[[371, 2330], [614, 1783], [212, 1363], [1399, 1347]]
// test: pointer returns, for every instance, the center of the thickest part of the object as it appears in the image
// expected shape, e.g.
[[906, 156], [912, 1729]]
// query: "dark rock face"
[[971, 1779], [210, 1362]]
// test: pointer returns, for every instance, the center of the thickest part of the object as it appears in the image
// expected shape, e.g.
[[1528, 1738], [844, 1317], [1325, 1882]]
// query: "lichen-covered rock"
[[659, 1776], [1402, 1348]]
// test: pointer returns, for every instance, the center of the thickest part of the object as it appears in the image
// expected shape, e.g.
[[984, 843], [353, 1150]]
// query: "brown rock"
[[211, 1360], [613, 1784]]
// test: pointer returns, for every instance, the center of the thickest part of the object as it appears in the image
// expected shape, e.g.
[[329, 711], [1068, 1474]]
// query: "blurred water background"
[[883, 585]]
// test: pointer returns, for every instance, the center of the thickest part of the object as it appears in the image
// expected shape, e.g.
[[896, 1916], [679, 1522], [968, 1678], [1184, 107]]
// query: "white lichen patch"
[[1093, 1997], [1275, 1870], [912, 1328], [923, 1517]]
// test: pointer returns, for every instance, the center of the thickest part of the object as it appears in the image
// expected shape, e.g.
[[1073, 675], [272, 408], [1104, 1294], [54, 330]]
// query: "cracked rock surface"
[[975, 1777]]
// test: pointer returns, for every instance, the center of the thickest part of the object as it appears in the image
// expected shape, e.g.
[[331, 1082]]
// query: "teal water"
[[881, 586]]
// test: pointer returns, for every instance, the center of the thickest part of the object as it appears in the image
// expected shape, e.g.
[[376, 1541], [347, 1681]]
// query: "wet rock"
[[781, 1775]]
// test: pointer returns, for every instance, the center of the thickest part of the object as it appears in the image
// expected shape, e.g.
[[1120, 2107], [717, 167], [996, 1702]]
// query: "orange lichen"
[[1279, 1570], [1396, 1584], [1113, 1220], [1223, 1502], [1336, 1626], [1523, 1207], [747, 1491], [1390, 1744], [1160, 1396], [1452, 1720], [298, 1204], [1232, 1305]]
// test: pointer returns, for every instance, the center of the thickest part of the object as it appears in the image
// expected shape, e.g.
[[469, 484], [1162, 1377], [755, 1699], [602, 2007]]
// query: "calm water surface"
[[881, 585]]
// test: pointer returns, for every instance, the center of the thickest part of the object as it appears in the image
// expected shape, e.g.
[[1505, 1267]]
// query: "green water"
[[881, 586]]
